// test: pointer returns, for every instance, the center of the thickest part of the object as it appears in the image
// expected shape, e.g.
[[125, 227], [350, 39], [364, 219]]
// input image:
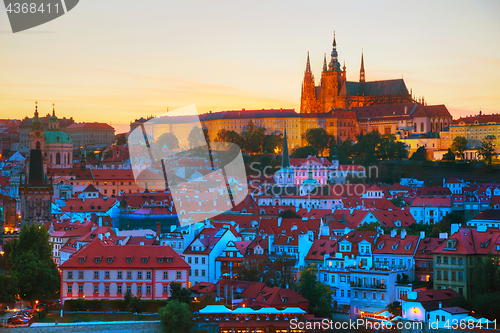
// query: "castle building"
[[336, 92]]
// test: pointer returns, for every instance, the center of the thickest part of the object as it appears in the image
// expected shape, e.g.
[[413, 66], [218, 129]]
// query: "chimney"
[[158, 229], [100, 221], [454, 228], [403, 234], [481, 228], [443, 235], [422, 234], [440, 305], [279, 221], [393, 233], [141, 243], [100, 236], [406, 109]]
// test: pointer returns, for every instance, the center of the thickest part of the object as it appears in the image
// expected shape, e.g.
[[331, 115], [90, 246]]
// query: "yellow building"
[[474, 129]]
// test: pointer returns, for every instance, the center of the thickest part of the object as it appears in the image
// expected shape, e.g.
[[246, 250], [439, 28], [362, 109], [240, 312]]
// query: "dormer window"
[[395, 246], [380, 246], [82, 260], [450, 244], [284, 299], [110, 260], [129, 259], [97, 260], [145, 260], [160, 260]]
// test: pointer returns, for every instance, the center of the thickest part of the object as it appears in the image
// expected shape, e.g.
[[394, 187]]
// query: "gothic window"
[[58, 158], [421, 127], [415, 127]]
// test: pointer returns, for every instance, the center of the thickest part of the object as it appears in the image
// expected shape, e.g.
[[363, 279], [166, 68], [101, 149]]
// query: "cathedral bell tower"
[[308, 103], [333, 82]]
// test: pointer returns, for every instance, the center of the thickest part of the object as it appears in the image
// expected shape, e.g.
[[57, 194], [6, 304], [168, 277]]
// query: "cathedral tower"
[[332, 82], [308, 103]]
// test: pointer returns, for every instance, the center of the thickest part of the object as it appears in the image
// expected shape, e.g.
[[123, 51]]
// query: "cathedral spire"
[[362, 70], [334, 63], [36, 109], [285, 160], [308, 65], [53, 109], [324, 64]]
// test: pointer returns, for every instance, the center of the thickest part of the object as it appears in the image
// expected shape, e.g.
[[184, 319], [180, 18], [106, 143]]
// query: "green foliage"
[[136, 304], [433, 230], [196, 138], [396, 174], [304, 152], [178, 293], [289, 214], [253, 140], [372, 226], [8, 288], [318, 293], [419, 155], [127, 298], [79, 304], [402, 279], [458, 146], [272, 142], [374, 146], [176, 317], [121, 139], [319, 138], [487, 149], [449, 156], [168, 139], [485, 278], [32, 264], [399, 201], [276, 273], [344, 151], [395, 308], [487, 305], [229, 136]]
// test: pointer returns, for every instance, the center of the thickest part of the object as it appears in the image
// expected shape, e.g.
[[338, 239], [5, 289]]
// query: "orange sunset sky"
[[117, 60]]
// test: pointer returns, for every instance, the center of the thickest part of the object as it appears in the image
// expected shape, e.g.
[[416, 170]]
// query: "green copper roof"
[[310, 180], [56, 137]]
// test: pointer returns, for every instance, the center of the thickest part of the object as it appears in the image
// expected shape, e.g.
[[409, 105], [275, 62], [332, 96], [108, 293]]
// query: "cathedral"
[[335, 92]]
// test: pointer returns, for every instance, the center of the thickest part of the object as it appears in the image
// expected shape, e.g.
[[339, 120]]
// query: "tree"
[[229, 136], [394, 308], [196, 138], [485, 278], [402, 279], [304, 152], [127, 298], [169, 140], [8, 288], [396, 174], [420, 154], [253, 138], [487, 149], [343, 151], [372, 226], [289, 214], [177, 292], [458, 146], [272, 142], [136, 304], [318, 293], [175, 317], [121, 139], [449, 156], [318, 138], [399, 201], [32, 264]]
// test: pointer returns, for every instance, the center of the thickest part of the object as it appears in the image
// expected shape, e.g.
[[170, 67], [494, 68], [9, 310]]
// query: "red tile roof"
[[395, 245], [118, 254]]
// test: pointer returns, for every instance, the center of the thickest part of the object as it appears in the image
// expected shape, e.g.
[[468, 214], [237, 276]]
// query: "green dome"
[[309, 181], [57, 137]]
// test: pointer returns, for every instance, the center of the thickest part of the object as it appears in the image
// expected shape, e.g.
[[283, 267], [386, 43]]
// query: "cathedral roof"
[[376, 88]]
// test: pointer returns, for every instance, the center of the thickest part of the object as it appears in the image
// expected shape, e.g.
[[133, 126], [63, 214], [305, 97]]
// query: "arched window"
[[58, 158], [37, 145], [421, 127], [414, 127], [441, 126], [432, 126]]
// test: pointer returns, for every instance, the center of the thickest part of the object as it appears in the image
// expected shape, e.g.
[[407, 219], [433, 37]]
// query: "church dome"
[[57, 137], [310, 180]]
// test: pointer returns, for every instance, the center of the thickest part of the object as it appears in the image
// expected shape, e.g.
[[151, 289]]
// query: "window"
[[460, 276], [96, 275], [179, 275], [118, 289], [139, 289], [96, 289], [374, 296], [202, 272], [165, 288], [195, 260], [70, 289], [70, 275], [129, 289], [165, 275], [189, 260], [195, 272], [438, 260], [129, 275], [148, 289], [460, 261], [383, 296], [445, 260], [106, 289], [119, 275], [203, 260], [80, 275], [80, 289], [139, 275], [148, 275]]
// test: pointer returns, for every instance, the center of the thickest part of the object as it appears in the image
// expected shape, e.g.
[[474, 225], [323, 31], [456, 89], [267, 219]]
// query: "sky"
[[117, 60]]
